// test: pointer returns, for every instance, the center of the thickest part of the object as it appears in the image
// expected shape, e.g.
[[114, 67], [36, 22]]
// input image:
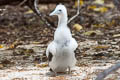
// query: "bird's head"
[[60, 10]]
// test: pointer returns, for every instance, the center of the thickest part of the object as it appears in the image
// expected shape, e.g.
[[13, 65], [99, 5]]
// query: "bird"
[[60, 52]]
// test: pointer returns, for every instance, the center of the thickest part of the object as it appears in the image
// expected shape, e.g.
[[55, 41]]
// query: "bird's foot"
[[69, 71], [51, 73]]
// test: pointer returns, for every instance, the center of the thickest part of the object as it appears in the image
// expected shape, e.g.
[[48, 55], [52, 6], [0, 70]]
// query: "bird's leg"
[[53, 73], [50, 70], [69, 70]]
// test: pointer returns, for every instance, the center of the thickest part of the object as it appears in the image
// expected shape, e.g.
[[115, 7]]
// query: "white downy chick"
[[60, 51]]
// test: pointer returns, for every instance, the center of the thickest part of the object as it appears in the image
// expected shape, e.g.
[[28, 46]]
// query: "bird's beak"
[[53, 13]]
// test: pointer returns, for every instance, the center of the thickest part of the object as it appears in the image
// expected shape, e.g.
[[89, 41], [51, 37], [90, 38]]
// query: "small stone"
[[117, 52], [113, 43], [111, 50], [115, 46]]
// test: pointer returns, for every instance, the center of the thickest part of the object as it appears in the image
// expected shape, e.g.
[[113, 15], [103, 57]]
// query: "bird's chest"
[[63, 44], [62, 38], [62, 35], [63, 48]]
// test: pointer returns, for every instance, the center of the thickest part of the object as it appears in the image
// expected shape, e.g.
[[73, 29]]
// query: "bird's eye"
[[60, 10]]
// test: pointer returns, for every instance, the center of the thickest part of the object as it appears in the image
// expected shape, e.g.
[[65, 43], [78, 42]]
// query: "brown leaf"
[[77, 27], [42, 65], [89, 33], [116, 35], [1, 46], [101, 2], [14, 44], [1, 66], [101, 47]]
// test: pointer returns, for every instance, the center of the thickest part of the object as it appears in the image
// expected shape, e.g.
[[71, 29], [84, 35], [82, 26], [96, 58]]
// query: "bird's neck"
[[62, 20]]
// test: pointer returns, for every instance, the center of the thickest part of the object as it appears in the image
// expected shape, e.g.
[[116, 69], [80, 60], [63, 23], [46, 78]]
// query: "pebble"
[[113, 43]]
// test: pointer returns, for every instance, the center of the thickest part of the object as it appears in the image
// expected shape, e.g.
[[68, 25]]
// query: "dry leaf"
[[116, 35], [98, 9], [1, 66], [101, 9], [110, 24], [35, 42], [91, 7], [81, 3], [77, 27], [14, 44], [99, 2], [29, 12], [42, 65], [29, 51], [99, 25], [110, 5], [1, 46], [89, 33], [58, 78], [101, 47]]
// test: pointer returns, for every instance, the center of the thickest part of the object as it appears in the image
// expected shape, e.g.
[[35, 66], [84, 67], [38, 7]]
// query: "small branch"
[[78, 12], [36, 10], [33, 4], [23, 2], [106, 72]]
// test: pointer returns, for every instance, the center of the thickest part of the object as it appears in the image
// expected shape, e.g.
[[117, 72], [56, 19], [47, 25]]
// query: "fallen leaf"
[[77, 27], [91, 7], [42, 65], [1, 66], [116, 35], [1, 46], [110, 23], [101, 47], [101, 2], [97, 9], [58, 78], [81, 3], [14, 44], [29, 51], [90, 33], [29, 12], [101, 9], [110, 5], [35, 42], [99, 25]]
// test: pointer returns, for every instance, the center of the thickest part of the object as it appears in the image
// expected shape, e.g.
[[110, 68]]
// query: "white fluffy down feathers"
[[63, 46]]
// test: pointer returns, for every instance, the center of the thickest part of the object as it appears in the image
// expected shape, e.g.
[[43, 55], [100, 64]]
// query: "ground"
[[24, 38], [37, 73]]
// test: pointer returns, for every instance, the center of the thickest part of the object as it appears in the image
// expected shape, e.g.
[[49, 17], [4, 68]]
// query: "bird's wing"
[[73, 44], [51, 50]]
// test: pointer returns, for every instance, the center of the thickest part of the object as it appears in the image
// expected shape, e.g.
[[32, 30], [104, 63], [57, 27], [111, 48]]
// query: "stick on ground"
[[106, 72]]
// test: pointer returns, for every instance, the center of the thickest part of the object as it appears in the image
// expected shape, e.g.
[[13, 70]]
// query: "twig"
[[78, 12], [24, 1], [36, 8], [33, 4], [40, 14], [103, 74]]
